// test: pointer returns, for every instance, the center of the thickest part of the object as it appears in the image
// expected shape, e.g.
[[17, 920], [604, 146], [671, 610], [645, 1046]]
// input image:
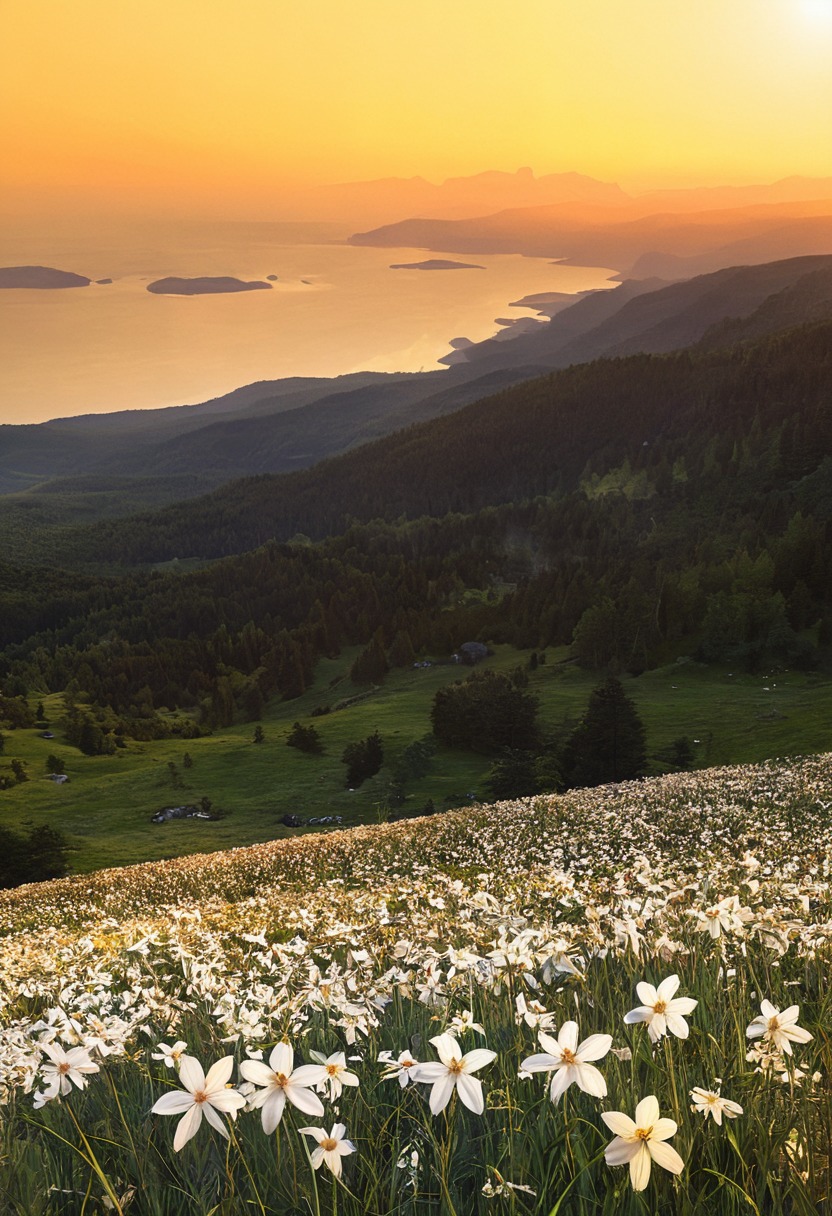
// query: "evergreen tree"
[[363, 759], [371, 665], [485, 713], [610, 743], [513, 775], [258, 736]]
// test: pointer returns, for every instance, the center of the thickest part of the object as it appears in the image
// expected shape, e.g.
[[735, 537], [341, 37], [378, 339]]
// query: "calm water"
[[334, 309]]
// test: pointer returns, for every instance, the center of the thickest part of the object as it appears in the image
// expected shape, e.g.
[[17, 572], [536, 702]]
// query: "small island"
[[41, 278], [436, 264], [173, 286]]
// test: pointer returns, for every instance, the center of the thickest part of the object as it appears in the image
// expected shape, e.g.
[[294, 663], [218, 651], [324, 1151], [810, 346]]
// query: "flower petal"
[[568, 1036], [272, 1111], [668, 988], [542, 1062], [470, 1093], [619, 1152], [257, 1072], [282, 1059], [187, 1126], [474, 1060], [665, 1156], [305, 1100], [191, 1074], [663, 1129], [647, 994], [432, 1071], [590, 1080], [647, 1111], [561, 1081], [594, 1048], [640, 1166], [642, 1013], [174, 1102], [447, 1048], [214, 1119], [219, 1074], [619, 1123], [440, 1095]]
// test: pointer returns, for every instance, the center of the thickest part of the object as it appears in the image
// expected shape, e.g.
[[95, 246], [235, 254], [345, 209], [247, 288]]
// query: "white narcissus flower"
[[201, 1096], [170, 1055], [453, 1071], [641, 1142], [724, 916], [332, 1147], [570, 1061], [709, 1102], [282, 1082], [780, 1029], [661, 1011], [401, 1068], [66, 1068], [334, 1073]]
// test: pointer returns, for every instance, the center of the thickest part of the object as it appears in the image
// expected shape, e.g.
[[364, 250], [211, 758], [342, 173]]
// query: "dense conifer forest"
[[635, 508]]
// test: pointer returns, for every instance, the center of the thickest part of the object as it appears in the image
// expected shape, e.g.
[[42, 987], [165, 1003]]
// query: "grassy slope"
[[105, 809]]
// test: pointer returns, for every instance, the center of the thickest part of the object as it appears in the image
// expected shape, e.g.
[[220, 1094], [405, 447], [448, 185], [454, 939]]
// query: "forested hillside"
[[637, 508]]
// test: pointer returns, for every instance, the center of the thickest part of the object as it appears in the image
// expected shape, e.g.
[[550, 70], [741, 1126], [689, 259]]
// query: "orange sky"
[[224, 107]]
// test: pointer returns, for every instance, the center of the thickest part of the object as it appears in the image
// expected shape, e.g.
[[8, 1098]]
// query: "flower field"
[[615, 1001]]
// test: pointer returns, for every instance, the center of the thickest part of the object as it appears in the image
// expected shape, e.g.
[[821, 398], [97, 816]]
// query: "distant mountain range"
[[632, 238], [391, 199]]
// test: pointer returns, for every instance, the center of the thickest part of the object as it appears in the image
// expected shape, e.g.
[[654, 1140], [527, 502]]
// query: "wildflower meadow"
[[612, 1002]]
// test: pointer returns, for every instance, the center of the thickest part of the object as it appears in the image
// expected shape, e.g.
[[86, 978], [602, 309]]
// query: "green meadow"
[[106, 807]]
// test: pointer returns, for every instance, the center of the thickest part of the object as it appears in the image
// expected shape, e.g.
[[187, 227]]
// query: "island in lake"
[[436, 264], [41, 278], [204, 286]]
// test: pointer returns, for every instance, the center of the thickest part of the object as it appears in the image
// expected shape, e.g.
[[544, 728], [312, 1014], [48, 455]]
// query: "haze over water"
[[334, 309]]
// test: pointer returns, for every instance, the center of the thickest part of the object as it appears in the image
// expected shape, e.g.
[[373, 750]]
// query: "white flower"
[[170, 1055], [778, 1028], [724, 916], [453, 1071], [642, 1142], [202, 1095], [709, 1102], [331, 1148], [570, 1061], [67, 1068], [661, 1011], [401, 1068], [461, 1022], [334, 1073], [280, 1082]]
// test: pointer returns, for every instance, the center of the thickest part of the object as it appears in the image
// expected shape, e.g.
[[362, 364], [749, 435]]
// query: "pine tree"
[[610, 743]]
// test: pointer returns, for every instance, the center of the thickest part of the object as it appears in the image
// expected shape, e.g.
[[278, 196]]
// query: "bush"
[[305, 739]]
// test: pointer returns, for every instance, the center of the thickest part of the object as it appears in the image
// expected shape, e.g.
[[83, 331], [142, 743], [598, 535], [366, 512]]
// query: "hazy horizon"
[[229, 110]]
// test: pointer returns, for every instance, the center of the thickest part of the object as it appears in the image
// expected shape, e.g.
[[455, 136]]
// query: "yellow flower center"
[[660, 1006], [333, 1069], [200, 1096], [773, 1024], [643, 1133], [567, 1056], [713, 913], [64, 1068], [280, 1079], [455, 1066], [328, 1144]]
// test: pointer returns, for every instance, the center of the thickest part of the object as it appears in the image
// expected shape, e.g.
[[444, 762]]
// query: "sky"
[[231, 108]]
